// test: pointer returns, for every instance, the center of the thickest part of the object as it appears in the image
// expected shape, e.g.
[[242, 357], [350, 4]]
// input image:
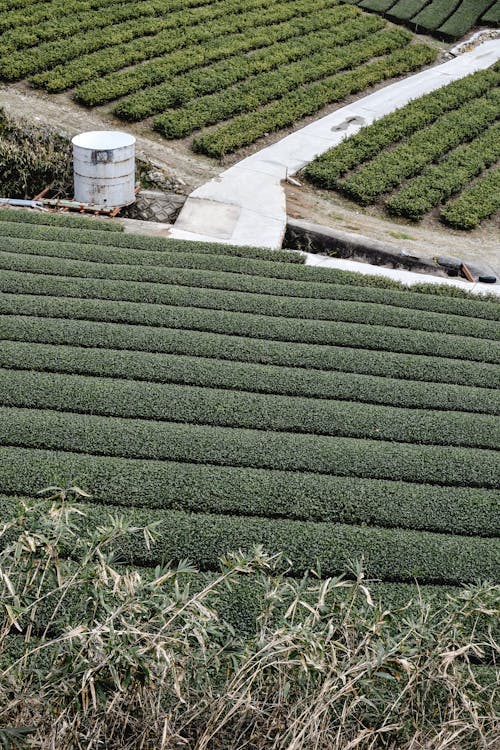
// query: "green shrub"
[[18, 63], [387, 170], [318, 332], [67, 221], [480, 201], [464, 18], [243, 491], [186, 61], [91, 65], [240, 349], [307, 100], [127, 652], [71, 239], [246, 376], [24, 282], [222, 446], [32, 158], [438, 182], [309, 282], [220, 407], [265, 87], [336, 25]]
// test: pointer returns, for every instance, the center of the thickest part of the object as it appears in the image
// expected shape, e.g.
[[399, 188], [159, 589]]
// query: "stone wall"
[[156, 205]]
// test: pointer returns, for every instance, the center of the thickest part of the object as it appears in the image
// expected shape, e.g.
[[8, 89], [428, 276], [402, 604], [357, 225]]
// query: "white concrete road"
[[245, 205]]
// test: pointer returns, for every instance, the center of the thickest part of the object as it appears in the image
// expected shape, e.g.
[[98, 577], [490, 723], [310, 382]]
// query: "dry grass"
[[94, 656]]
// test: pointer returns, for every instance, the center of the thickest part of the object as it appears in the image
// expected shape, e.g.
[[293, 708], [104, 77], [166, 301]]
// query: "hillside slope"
[[238, 398]]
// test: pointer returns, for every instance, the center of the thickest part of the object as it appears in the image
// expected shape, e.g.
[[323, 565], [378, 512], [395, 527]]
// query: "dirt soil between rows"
[[428, 238], [188, 171]]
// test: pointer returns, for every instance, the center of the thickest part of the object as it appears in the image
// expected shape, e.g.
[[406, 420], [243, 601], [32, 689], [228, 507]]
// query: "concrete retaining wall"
[[313, 238]]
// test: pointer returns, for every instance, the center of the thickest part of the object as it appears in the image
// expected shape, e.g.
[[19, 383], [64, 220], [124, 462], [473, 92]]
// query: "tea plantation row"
[[448, 19], [248, 66], [440, 150], [250, 400]]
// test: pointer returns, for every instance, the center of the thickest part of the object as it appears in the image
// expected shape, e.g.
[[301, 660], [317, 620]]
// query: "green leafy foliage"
[[311, 283], [221, 64], [231, 397], [326, 170], [426, 153], [265, 87], [221, 407], [134, 438], [246, 128], [17, 64], [195, 63], [408, 158], [440, 558], [467, 15], [32, 158], [480, 201], [264, 351], [56, 220], [247, 376], [246, 491], [448, 19], [20, 281], [318, 332], [439, 182], [105, 646]]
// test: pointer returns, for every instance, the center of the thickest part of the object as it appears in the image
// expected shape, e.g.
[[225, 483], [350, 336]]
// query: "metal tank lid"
[[103, 140]]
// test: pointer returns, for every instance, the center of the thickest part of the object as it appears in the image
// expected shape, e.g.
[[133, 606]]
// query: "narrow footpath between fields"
[[246, 204]]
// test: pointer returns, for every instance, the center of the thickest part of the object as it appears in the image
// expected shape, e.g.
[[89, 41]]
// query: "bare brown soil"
[[188, 171], [429, 238]]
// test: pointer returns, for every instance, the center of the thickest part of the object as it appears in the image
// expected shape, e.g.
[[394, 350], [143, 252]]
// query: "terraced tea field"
[[438, 152], [238, 397], [448, 19], [233, 69]]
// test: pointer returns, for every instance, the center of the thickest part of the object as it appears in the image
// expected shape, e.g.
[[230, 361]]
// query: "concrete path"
[[245, 205], [409, 278]]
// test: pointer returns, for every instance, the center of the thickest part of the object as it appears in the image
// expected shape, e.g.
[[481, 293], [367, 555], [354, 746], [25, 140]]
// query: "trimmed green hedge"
[[19, 282], [73, 239], [250, 72], [180, 254], [357, 335], [241, 604], [390, 554], [478, 202], [68, 221], [262, 88], [247, 491], [408, 158], [150, 82], [330, 285], [467, 15], [225, 408], [77, 17], [307, 100], [242, 376], [438, 182], [222, 446], [239, 348], [181, 22], [171, 42], [417, 115]]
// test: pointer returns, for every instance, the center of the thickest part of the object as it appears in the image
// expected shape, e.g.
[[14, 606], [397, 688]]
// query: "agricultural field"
[[447, 19], [238, 397], [438, 154], [223, 73]]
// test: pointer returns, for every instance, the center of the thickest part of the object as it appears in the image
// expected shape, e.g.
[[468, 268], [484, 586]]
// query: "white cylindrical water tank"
[[104, 168]]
